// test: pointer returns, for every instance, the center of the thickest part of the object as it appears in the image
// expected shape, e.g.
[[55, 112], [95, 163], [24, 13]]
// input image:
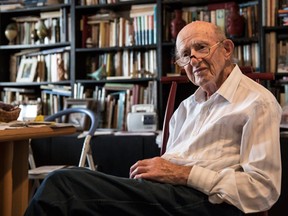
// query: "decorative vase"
[[235, 22], [11, 32], [42, 31], [177, 24]]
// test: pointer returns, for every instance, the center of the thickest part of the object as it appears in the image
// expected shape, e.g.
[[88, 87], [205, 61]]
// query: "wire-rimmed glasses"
[[201, 53]]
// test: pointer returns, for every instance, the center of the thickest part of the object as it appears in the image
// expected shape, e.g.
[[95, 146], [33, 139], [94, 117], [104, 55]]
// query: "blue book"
[[155, 25]]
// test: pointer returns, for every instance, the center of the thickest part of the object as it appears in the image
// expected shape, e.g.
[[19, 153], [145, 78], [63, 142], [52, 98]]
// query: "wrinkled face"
[[205, 49]]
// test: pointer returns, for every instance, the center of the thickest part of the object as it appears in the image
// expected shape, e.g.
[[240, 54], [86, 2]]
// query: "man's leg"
[[84, 192]]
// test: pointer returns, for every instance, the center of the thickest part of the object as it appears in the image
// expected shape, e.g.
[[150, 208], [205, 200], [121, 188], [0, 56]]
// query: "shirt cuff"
[[201, 179]]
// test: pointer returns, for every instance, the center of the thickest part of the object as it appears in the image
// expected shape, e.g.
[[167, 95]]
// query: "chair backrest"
[[66, 112], [258, 77], [86, 152], [170, 107]]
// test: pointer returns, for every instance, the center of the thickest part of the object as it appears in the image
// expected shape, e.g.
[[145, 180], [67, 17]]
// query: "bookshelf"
[[274, 37], [30, 45], [87, 35]]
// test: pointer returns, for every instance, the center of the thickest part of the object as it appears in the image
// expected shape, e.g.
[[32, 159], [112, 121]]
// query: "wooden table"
[[14, 149]]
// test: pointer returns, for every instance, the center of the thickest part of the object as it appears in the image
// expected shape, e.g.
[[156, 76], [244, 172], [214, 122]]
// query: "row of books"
[[52, 64], [276, 53], [283, 16], [282, 64], [50, 23], [247, 55], [251, 14], [144, 23], [10, 5], [274, 13], [119, 99], [58, 28], [116, 100], [106, 30], [53, 98], [96, 2], [17, 96], [216, 13], [18, 4], [124, 64], [142, 94]]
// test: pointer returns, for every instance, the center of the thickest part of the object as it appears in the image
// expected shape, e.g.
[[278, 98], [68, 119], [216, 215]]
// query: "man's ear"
[[229, 48]]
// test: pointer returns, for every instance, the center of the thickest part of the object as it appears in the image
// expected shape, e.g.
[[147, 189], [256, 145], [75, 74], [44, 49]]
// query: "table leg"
[[20, 177], [6, 158]]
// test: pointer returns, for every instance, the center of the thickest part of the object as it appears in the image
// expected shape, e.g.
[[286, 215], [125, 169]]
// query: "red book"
[[86, 30]]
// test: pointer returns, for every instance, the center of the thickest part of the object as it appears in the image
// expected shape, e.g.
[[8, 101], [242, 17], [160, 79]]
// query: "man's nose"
[[194, 61]]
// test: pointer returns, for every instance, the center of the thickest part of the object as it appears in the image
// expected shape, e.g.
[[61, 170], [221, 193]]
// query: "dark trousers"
[[82, 192]]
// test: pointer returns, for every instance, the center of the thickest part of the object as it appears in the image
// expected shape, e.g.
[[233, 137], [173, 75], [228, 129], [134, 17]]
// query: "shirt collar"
[[227, 89]]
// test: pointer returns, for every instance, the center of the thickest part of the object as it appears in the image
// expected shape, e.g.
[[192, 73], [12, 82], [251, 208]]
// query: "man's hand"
[[161, 170]]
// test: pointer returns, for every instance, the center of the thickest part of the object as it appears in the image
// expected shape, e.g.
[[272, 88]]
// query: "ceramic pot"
[[177, 24], [235, 23], [11, 32]]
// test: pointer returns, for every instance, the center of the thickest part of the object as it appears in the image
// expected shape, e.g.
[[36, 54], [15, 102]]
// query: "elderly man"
[[223, 153]]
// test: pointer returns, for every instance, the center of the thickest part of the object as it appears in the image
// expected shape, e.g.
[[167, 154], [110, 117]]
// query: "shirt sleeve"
[[257, 177], [180, 115]]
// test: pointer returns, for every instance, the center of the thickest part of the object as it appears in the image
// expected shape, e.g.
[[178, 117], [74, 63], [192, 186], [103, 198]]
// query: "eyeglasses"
[[200, 53]]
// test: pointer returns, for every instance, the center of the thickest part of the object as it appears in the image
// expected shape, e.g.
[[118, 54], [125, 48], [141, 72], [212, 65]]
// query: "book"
[[282, 60], [140, 15], [142, 10], [115, 110], [57, 89], [12, 6], [118, 86], [273, 52], [50, 14], [86, 30], [121, 111], [109, 105], [220, 18], [20, 90], [23, 19]]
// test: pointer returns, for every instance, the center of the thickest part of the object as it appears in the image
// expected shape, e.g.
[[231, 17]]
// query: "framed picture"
[[27, 70], [80, 120]]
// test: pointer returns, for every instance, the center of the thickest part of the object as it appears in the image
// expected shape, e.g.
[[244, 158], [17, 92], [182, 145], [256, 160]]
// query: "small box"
[[142, 118]]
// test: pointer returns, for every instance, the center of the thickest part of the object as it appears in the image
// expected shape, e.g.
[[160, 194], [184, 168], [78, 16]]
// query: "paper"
[[25, 124]]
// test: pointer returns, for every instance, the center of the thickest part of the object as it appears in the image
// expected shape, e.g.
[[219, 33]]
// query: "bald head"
[[200, 29]]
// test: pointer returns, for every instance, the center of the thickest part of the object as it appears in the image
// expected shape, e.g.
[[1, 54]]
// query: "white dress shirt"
[[232, 141]]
